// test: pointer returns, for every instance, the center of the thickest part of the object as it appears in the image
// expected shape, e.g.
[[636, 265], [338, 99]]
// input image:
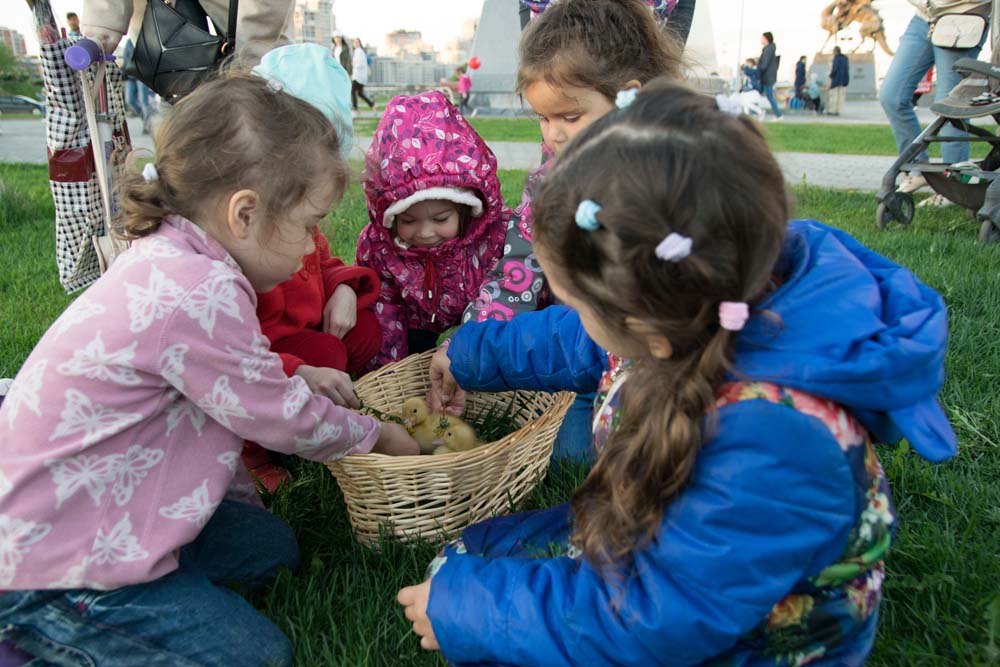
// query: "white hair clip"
[[273, 84], [673, 248], [625, 97], [728, 105], [149, 173]]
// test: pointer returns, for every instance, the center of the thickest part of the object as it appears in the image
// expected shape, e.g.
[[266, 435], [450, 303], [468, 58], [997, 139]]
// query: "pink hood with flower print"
[[424, 142]]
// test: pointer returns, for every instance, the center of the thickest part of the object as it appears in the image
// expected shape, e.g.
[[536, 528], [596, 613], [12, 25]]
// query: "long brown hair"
[[231, 133], [670, 162], [596, 44]]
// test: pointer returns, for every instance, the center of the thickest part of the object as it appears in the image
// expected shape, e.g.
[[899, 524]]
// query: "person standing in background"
[[73, 21], [342, 52], [800, 78], [768, 66], [464, 89], [914, 56], [840, 76], [359, 75], [260, 24]]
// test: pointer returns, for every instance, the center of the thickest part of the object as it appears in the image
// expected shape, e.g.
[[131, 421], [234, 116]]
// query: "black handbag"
[[175, 50]]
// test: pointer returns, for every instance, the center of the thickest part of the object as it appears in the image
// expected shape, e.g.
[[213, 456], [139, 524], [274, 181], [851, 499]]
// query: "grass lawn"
[[942, 604]]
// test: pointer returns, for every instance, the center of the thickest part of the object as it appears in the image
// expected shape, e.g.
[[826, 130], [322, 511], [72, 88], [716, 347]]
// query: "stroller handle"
[[84, 53]]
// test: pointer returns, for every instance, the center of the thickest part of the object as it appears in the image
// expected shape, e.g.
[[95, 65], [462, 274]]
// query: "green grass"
[[845, 139], [830, 138], [942, 604]]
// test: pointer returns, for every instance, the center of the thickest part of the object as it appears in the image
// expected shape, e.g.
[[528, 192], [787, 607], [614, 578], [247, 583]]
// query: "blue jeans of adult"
[[769, 94], [914, 57], [137, 96], [188, 618]]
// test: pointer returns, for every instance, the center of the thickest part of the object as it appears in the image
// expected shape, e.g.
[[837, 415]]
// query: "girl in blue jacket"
[[737, 513]]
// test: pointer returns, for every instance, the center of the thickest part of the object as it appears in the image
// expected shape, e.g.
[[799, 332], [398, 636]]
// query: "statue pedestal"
[[863, 83], [495, 44]]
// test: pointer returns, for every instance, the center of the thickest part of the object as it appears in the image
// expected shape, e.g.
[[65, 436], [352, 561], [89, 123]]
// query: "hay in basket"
[[432, 497]]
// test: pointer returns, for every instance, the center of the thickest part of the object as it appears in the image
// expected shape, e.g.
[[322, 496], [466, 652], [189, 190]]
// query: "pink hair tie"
[[733, 315]]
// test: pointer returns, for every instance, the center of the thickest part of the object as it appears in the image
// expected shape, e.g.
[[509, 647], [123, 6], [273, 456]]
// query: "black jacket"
[[840, 72], [768, 65]]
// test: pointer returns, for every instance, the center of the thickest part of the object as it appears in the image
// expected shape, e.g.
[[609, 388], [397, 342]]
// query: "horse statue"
[[841, 13]]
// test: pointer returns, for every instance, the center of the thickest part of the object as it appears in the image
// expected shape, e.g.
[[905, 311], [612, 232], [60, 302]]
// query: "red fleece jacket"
[[298, 303]]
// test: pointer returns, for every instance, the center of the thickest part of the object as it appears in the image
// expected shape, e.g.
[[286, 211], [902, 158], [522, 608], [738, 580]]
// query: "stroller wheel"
[[897, 207], [989, 232]]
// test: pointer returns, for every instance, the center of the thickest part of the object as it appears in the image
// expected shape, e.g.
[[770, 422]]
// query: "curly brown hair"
[[231, 133], [596, 44], [670, 162]]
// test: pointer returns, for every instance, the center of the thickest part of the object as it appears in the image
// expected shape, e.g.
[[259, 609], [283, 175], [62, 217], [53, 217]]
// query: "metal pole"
[[739, 46]]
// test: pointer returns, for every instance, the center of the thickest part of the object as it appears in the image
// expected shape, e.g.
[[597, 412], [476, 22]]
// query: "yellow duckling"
[[459, 436], [425, 427]]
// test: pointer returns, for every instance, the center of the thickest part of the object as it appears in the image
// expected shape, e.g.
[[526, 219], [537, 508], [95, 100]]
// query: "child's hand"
[[415, 599], [335, 385], [394, 440], [445, 394], [341, 312]]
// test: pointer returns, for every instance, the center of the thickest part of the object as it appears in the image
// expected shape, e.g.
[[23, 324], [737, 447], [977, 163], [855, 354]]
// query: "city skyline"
[[796, 29]]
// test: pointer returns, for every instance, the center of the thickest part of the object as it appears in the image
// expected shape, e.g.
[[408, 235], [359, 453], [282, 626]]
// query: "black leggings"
[[358, 90]]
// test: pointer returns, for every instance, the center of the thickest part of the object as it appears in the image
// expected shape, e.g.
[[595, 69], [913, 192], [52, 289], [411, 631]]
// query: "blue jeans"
[[138, 96], [188, 618], [769, 94], [914, 57], [575, 438]]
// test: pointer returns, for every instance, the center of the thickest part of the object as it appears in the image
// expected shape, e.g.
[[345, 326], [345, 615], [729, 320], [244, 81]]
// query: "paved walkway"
[[23, 141]]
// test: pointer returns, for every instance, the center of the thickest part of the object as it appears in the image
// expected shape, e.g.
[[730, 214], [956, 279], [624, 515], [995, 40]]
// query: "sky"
[[795, 23]]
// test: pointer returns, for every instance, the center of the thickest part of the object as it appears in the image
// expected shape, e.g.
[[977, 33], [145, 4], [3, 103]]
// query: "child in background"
[[122, 432], [570, 73], [437, 220], [737, 513], [320, 322], [815, 93], [464, 89], [751, 76]]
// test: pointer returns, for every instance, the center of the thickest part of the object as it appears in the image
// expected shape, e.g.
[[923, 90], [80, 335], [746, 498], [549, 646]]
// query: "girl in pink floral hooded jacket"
[[437, 220]]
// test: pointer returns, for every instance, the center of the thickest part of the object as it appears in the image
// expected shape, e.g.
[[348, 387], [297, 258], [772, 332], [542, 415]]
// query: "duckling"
[[425, 427], [459, 436]]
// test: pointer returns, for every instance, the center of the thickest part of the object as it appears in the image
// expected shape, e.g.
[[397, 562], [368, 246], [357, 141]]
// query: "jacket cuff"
[[290, 363], [361, 279]]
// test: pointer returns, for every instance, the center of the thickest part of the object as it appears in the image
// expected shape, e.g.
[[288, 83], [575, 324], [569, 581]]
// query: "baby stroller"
[[974, 186]]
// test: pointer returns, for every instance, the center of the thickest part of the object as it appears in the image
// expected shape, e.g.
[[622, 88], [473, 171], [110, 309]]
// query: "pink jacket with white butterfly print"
[[424, 142], [122, 432]]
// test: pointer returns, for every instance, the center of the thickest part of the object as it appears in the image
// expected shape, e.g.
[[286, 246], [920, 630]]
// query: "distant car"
[[21, 104]]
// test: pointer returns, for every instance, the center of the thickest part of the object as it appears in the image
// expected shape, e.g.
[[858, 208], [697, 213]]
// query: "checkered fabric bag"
[[73, 176]]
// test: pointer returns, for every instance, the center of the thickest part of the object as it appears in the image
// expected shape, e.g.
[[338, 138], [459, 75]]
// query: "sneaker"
[[935, 201], [912, 182]]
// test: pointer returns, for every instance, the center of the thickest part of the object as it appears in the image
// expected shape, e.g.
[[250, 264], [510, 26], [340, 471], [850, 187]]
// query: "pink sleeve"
[[213, 352]]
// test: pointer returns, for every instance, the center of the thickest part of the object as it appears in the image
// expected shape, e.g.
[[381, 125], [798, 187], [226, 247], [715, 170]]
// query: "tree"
[[17, 78]]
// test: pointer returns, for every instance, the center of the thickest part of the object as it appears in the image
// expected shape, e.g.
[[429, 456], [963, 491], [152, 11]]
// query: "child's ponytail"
[[664, 407], [145, 199]]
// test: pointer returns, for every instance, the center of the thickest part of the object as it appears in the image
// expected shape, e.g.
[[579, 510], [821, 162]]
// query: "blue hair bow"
[[586, 215]]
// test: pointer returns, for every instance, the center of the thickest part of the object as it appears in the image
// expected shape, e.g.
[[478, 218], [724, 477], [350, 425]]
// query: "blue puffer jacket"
[[771, 501]]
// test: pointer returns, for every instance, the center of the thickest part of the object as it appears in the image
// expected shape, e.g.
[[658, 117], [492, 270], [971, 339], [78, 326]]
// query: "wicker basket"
[[437, 496]]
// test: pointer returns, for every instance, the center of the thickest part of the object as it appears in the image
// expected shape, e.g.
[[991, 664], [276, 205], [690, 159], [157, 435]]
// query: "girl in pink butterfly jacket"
[[437, 220], [120, 438]]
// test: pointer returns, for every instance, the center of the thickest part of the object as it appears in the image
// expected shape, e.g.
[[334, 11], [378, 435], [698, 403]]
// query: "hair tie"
[[673, 248], [733, 315], [149, 173], [625, 97], [586, 215]]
